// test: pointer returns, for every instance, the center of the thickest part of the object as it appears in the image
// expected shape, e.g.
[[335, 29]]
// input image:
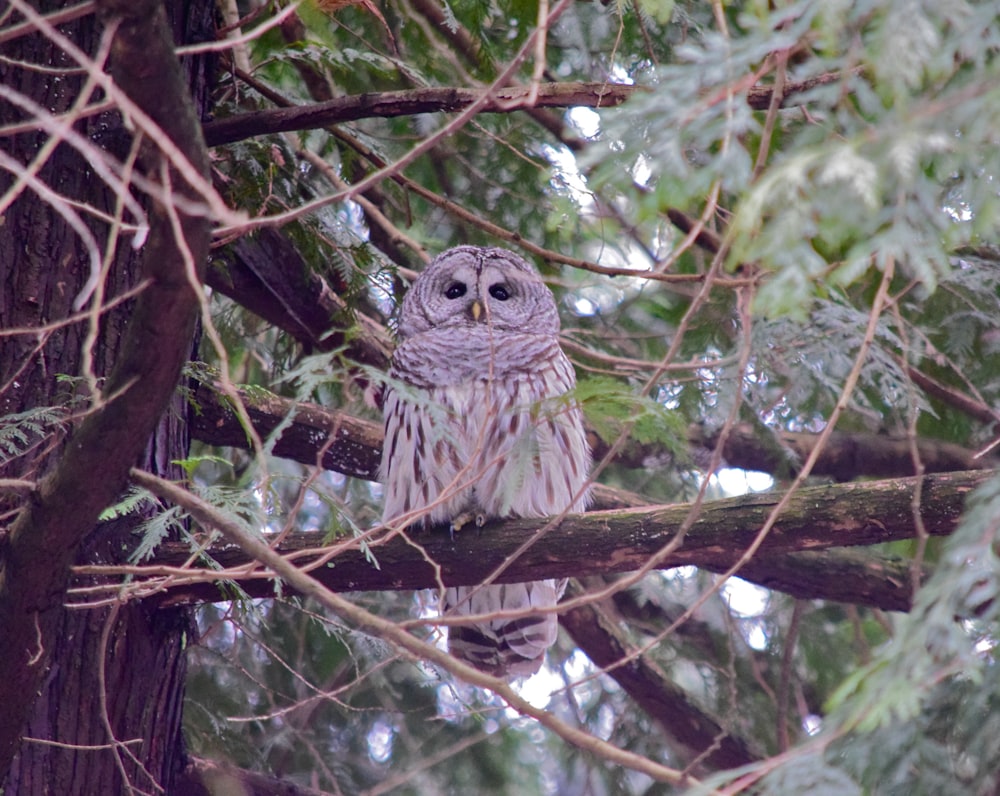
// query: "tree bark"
[[91, 699], [796, 555]]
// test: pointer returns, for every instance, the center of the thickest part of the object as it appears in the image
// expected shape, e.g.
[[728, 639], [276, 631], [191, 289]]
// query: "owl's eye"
[[499, 292], [455, 290]]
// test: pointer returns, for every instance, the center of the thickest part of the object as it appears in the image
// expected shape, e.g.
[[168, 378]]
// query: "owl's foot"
[[464, 519]]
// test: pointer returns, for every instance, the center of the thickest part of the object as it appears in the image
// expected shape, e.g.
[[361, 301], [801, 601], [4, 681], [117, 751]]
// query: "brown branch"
[[818, 518], [266, 274], [202, 777], [395, 634], [408, 103], [759, 97], [34, 569], [845, 456], [356, 448], [856, 577], [444, 99], [953, 397], [670, 706], [859, 577]]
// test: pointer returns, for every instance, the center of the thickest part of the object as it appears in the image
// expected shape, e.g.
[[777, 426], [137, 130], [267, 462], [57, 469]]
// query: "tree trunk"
[[108, 714]]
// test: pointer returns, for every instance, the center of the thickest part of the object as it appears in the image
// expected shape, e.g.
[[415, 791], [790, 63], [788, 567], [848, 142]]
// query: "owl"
[[478, 426]]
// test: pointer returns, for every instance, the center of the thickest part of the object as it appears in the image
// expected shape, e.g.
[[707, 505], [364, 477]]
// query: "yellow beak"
[[477, 309]]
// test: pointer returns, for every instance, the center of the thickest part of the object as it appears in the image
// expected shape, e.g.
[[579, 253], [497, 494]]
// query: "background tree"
[[771, 231]]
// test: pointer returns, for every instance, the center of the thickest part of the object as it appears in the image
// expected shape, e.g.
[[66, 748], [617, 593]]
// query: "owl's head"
[[469, 286]]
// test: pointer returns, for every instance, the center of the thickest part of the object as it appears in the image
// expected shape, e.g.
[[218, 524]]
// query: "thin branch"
[[60, 17], [390, 104]]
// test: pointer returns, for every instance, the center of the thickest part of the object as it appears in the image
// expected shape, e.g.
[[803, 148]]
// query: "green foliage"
[[135, 500], [931, 688], [613, 409], [21, 430]]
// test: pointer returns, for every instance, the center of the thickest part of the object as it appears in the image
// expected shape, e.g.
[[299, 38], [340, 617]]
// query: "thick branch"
[[670, 706], [266, 274], [818, 518], [857, 577], [356, 448], [396, 635], [358, 445], [846, 455]]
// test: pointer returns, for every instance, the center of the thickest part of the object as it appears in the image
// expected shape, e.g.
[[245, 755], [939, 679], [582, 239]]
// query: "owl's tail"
[[506, 648]]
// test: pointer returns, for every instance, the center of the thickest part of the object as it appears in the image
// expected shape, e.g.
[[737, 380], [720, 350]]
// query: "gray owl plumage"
[[476, 426]]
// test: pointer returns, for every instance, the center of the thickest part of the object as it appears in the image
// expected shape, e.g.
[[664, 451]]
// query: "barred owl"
[[476, 427]]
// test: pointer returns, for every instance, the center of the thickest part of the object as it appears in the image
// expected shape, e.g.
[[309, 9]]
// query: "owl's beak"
[[476, 308]]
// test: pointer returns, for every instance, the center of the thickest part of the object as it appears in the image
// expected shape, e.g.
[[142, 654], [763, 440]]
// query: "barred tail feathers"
[[504, 647]]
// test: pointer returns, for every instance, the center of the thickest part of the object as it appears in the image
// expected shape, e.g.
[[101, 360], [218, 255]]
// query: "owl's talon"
[[464, 519]]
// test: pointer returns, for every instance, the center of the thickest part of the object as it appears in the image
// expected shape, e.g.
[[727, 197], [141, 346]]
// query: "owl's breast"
[[450, 356]]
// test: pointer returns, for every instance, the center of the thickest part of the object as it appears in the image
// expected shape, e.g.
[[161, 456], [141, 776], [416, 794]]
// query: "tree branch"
[[664, 701], [357, 449], [845, 456], [266, 274], [818, 518], [444, 99], [397, 635], [408, 103]]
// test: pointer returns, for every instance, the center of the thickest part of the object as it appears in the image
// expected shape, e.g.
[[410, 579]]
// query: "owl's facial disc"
[[470, 286], [476, 292]]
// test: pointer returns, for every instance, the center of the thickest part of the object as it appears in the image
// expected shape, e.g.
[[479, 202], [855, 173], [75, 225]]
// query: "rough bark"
[[817, 519], [100, 677]]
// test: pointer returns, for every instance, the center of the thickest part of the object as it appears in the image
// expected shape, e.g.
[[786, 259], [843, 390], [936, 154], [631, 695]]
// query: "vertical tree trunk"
[[108, 714]]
